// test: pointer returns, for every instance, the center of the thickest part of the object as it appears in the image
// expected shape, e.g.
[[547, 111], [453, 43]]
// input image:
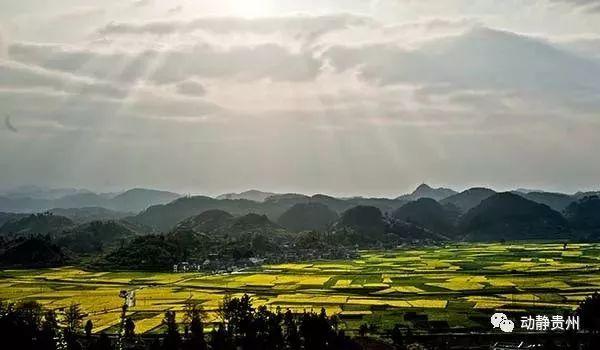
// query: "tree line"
[[242, 326]]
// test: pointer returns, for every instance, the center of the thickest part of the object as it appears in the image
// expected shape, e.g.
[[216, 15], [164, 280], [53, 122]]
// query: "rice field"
[[461, 284]]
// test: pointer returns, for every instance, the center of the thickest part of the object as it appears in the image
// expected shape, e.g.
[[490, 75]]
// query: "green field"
[[462, 284]]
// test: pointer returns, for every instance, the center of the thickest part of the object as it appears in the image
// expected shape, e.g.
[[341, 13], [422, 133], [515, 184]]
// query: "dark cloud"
[[190, 87]]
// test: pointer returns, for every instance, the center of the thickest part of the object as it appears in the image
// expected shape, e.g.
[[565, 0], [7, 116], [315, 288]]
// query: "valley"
[[455, 286]]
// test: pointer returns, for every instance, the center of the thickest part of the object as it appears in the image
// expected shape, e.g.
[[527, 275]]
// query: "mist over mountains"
[[35, 199]]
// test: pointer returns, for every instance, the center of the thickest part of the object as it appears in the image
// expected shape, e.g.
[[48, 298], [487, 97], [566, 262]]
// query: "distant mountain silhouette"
[[308, 216], [36, 224], [425, 191], [469, 198], [138, 199], [79, 200], [133, 200], [581, 195], [556, 201], [251, 195], [286, 200], [38, 192], [5, 217], [509, 216], [428, 213], [164, 217], [87, 214]]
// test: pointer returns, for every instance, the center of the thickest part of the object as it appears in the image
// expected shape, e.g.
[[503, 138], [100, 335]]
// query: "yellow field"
[[442, 282]]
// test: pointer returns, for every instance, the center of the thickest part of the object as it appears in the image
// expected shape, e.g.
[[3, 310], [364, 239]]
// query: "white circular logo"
[[497, 318], [507, 326]]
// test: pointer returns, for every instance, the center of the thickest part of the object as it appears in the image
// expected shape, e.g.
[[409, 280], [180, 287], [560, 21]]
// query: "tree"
[[589, 312], [19, 324], [219, 339], [89, 326], [172, 339], [103, 343], [292, 337], [73, 318], [363, 329], [193, 321], [48, 332], [397, 337], [129, 328]]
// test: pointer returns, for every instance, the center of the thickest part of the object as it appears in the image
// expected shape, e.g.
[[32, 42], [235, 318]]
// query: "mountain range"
[[199, 227], [133, 200]]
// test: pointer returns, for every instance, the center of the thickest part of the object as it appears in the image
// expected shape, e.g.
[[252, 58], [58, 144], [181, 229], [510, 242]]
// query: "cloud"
[[480, 59], [19, 75], [173, 64], [141, 3], [9, 125], [584, 5], [587, 46], [175, 10], [190, 87], [294, 25]]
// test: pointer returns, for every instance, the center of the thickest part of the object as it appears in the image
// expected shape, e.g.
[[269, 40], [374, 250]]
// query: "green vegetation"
[[308, 217]]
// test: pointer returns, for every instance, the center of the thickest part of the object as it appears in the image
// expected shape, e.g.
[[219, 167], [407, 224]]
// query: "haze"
[[340, 97]]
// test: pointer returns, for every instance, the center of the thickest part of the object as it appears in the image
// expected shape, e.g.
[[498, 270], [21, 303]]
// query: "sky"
[[346, 97]]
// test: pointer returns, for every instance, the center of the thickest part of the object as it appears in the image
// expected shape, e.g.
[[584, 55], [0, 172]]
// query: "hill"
[[36, 224], [556, 201], [96, 236], [152, 252], [213, 234], [430, 214], [23, 204], [138, 199], [469, 198], [33, 252], [363, 220], [81, 200], [222, 225], [164, 217], [6, 217], [133, 200], [206, 222], [251, 195], [507, 216], [87, 214], [584, 214], [426, 191], [307, 217]]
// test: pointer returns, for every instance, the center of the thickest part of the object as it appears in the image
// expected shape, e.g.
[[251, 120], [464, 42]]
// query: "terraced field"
[[460, 284]]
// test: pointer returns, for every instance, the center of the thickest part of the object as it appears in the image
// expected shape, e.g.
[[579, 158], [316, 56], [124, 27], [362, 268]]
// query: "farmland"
[[461, 284]]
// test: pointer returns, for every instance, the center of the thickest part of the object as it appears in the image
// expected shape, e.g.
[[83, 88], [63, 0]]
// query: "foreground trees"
[[241, 327]]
